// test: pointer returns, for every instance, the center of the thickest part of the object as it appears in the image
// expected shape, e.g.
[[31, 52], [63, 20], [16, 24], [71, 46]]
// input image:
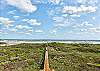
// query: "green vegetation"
[[21, 57], [74, 57], [62, 57]]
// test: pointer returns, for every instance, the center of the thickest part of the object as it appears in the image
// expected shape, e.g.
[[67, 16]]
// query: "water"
[[17, 41]]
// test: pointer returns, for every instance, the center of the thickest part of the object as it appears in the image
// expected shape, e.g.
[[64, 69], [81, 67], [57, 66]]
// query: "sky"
[[50, 19]]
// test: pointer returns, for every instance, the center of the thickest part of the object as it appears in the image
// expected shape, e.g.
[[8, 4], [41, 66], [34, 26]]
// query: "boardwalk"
[[46, 62]]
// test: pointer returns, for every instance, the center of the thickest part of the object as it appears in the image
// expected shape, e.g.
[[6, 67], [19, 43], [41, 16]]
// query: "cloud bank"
[[23, 5], [76, 10]]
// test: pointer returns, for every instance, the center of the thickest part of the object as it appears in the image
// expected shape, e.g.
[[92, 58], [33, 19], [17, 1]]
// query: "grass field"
[[62, 57]]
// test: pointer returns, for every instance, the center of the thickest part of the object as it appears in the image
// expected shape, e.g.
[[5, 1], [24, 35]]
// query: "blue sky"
[[50, 19]]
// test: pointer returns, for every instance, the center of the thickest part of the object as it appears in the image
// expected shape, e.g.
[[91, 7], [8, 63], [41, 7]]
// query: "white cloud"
[[86, 23], [24, 5], [93, 18], [89, 2], [65, 15], [33, 22], [22, 27], [51, 12], [55, 1], [27, 33], [94, 30], [81, 1], [75, 15], [61, 25], [62, 21], [30, 31], [16, 17], [6, 21], [54, 31], [83, 30], [38, 31], [12, 12], [27, 27], [13, 30], [76, 10], [3, 32], [58, 19], [19, 27], [24, 20]]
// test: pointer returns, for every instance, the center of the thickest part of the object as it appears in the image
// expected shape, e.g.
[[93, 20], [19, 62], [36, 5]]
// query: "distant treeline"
[[3, 43]]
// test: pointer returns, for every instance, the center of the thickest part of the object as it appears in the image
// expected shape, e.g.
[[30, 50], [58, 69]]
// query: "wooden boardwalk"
[[46, 62]]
